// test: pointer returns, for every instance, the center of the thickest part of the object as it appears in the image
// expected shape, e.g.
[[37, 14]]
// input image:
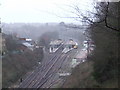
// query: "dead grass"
[[81, 77]]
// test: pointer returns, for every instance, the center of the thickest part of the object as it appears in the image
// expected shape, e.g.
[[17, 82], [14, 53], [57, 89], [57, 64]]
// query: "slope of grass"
[[81, 77]]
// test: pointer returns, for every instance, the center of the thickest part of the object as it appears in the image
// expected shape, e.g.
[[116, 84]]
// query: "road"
[[45, 74]]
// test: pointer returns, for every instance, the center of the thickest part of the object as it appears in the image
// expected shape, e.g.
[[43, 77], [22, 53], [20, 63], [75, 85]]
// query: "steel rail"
[[59, 66], [37, 76], [34, 86], [36, 71]]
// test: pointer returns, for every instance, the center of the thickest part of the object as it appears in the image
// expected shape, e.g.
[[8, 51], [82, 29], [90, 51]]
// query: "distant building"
[[54, 45], [29, 43]]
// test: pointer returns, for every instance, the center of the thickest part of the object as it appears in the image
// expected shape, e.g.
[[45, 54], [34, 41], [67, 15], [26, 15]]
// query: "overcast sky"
[[39, 10]]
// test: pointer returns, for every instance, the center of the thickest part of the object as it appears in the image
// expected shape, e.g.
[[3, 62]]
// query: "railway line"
[[39, 68], [57, 66], [44, 75], [44, 72]]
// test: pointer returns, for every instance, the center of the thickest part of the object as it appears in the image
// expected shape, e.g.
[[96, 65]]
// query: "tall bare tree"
[[102, 12]]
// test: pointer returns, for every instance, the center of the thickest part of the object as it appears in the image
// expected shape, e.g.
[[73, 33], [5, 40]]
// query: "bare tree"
[[101, 14]]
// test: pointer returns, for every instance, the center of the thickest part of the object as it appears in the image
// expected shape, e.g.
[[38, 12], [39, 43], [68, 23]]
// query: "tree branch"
[[106, 16]]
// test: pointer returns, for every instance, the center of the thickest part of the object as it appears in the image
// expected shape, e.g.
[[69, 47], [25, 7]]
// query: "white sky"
[[38, 10]]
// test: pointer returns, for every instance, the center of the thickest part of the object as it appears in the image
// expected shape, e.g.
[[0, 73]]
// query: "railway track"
[[54, 70], [37, 72], [39, 68], [54, 81], [43, 74], [59, 65]]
